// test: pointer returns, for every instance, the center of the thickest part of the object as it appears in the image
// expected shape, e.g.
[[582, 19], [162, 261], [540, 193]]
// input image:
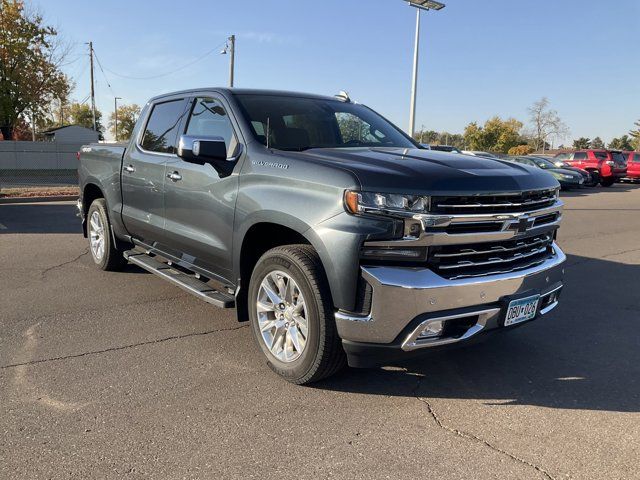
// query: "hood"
[[565, 171], [429, 172]]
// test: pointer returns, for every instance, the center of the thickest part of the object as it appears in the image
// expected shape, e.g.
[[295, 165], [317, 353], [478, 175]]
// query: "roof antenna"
[[267, 132], [343, 96]]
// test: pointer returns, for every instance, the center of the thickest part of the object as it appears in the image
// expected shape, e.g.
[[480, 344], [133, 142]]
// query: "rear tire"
[[291, 315], [104, 252], [607, 182]]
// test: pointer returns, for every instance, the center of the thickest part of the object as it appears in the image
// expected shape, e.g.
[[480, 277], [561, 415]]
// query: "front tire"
[[291, 315], [607, 182], [104, 252]]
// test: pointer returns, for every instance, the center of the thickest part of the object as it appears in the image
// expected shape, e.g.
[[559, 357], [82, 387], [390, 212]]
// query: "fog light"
[[433, 329]]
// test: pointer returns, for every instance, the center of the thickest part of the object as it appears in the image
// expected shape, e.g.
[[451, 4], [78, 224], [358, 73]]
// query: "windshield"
[[544, 163], [299, 123]]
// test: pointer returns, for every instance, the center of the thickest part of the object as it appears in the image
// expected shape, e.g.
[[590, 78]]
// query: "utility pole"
[[93, 93], [232, 58], [414, 78], [115, 108], [33, 125]]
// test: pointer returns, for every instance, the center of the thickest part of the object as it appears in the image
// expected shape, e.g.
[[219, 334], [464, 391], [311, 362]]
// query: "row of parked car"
[[587, 168]]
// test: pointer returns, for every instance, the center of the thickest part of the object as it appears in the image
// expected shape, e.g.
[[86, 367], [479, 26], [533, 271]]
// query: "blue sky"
[[478, 58]]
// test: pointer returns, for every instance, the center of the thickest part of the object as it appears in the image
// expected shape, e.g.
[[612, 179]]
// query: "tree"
[[127, 117], [635, 135], [621, 143], [545, 123], [582, 143], [30, 59], [597, 143], [80, 114], [521, 150], [496, 135]]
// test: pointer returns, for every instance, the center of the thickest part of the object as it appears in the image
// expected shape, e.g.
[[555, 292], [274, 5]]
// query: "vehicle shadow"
[[584, 355], [39, 218]]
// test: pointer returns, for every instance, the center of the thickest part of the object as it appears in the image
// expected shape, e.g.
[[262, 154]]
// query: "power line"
[[103, 74], [167, 73]]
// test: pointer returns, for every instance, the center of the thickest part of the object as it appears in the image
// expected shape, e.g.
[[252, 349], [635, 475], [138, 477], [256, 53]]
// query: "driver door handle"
[[174, 176], [130, 168]]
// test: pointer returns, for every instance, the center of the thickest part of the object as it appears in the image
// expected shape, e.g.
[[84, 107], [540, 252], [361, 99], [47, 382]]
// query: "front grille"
[[474, 260], [512, 203]]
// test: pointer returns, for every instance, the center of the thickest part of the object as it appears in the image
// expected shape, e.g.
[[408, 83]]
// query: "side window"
[[209, 118], [580, 156], [601, 155], [636, 157], [354, 130], [162, 127]]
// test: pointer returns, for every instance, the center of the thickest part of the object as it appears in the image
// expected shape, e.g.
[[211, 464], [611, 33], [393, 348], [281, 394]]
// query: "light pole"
[[230, 47], [115, 112], [419, 5]]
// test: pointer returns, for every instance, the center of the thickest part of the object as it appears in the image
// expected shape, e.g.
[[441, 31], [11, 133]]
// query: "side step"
[[189, 283]]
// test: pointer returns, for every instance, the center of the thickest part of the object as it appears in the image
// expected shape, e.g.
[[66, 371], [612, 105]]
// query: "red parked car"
[[608, 165], [633, 165]]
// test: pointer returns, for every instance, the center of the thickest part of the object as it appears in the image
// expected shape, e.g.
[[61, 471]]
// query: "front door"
[[199, 202], [143, 171]]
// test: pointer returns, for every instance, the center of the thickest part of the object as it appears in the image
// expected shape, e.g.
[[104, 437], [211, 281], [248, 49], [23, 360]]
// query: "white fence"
[[38, 156]]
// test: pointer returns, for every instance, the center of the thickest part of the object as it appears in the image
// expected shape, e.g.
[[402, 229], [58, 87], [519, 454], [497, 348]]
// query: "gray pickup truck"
[[332, 232]]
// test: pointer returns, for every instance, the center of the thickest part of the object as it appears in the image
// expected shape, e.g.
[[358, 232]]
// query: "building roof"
[[53, 130]]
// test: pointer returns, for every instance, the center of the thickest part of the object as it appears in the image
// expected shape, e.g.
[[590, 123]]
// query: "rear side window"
[[580, 156], [162, 127], [636, 157], [209, 118], [601, 155]]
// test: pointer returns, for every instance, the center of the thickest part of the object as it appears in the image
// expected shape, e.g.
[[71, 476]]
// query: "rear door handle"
[[130, 168], [174, 176]]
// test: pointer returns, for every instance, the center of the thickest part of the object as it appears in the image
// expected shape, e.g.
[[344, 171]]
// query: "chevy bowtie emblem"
[[523, 224]]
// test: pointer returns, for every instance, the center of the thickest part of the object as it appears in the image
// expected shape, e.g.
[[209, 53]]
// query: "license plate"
[[521, 310]]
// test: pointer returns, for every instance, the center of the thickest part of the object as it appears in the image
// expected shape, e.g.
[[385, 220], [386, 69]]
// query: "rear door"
[[579, 159], [200, 201], [143, 169]]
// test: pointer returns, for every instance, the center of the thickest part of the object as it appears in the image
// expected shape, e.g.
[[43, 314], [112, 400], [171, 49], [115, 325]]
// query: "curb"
[[58, 198]]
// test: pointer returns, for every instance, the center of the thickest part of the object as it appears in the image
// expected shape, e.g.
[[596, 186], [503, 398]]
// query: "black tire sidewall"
[[280, 261]]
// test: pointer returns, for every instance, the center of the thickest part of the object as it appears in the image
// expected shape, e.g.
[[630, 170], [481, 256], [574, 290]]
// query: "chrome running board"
[[188, 282]]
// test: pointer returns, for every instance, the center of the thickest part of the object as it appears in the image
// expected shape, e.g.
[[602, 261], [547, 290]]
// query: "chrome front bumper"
[[404, 299]]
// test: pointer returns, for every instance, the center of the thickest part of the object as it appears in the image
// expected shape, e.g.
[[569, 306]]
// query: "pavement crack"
[[63, 264], [472, 437], [122, 347]]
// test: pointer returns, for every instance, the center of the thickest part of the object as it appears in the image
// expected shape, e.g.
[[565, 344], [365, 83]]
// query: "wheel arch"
[[90, 192]]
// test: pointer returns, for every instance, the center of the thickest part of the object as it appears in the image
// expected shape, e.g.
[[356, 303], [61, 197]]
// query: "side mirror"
[[202, 149]]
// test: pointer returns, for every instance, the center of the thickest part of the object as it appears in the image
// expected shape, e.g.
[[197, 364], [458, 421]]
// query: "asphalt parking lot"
[[110, 375]]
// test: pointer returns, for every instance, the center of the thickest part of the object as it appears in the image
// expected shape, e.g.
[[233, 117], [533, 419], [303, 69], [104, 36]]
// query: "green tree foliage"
[[597, 143], [521, 150], [440, 138], [127, 117], [30, 59], [582, 143], [496, 135], [621, 143], [80, 114], [635, 136]]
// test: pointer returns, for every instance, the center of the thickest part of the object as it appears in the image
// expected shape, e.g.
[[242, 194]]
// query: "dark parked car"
[[589, 180], [566, 178]]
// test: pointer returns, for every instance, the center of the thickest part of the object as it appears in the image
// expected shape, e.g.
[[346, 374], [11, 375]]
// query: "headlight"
[[567, 177], [611, 163], [385, 203]]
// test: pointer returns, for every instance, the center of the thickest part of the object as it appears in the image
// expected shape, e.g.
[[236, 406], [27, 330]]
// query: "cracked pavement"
[[110, 375]]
